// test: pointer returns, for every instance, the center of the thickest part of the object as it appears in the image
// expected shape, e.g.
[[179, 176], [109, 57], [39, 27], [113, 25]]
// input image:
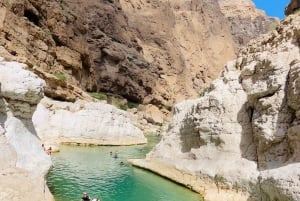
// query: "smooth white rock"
[[85, 122]]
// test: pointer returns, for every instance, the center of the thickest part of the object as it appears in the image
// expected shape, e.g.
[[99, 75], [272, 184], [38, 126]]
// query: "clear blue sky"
[[273, 8]]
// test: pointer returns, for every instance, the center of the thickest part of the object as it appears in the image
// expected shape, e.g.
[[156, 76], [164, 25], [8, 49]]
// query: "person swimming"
[[85, 197], [116, 155]]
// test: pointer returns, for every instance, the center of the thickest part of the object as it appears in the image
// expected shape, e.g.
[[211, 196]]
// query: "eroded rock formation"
[[23, 161], [85, 123], [151, 52], [245, 21], [190, 40], [243, 135]]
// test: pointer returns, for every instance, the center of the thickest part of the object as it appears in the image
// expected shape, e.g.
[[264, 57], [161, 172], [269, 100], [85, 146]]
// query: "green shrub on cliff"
[[119, 103], [60, 76], [98, 95], [132, 105]]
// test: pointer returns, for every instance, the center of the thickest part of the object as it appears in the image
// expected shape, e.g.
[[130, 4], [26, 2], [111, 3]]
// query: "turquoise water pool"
[[95, 170]]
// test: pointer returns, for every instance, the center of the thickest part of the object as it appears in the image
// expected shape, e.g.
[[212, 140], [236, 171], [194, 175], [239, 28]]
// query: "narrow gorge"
[[242, 137], [217, 79]]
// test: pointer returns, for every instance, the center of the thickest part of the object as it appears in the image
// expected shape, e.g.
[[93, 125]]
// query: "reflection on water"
[[95, 170]]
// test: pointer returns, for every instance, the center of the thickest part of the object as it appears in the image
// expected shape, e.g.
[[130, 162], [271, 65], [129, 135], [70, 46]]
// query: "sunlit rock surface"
[[243, 135], [23, 161], [85, 123]]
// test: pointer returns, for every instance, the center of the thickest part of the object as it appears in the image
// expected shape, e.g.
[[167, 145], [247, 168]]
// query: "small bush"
[[202, 92], [61, 5], [123, 107], [172, 91], [130, 58], [99, 96], [132, 105], [60, 76], [130, 75], [48, 32], [202, 142], [6, 1], [273, 26], [119, 104], [167, 106], [219, 181], [217, 141]]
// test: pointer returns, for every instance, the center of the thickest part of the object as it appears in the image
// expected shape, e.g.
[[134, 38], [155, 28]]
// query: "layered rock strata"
[[242, 136], [23, 161], [85, 44], [84, 123]]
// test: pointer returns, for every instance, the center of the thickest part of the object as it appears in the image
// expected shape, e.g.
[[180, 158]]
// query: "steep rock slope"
[[246, 22], [155, 52], [78, 43], [243, 135], [24, 163], [119, 67], [190, 40]]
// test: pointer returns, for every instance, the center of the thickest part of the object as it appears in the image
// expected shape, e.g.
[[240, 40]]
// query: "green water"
[[94, 170]]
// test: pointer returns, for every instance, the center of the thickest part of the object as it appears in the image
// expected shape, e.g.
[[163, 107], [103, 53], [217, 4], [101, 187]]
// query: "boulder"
[[152, 114]]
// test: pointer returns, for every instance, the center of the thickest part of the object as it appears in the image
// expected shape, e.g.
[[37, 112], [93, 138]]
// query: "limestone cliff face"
[[245, 21], [23, 161], [244, 133], [84, 123]]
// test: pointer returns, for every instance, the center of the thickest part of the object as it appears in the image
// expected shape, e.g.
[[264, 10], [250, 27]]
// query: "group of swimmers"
[[115, 155]]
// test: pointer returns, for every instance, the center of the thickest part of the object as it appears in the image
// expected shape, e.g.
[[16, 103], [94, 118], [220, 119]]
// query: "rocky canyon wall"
[[24, 163], [245, 20], [240, 141], [156, 52], [190, 40]]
